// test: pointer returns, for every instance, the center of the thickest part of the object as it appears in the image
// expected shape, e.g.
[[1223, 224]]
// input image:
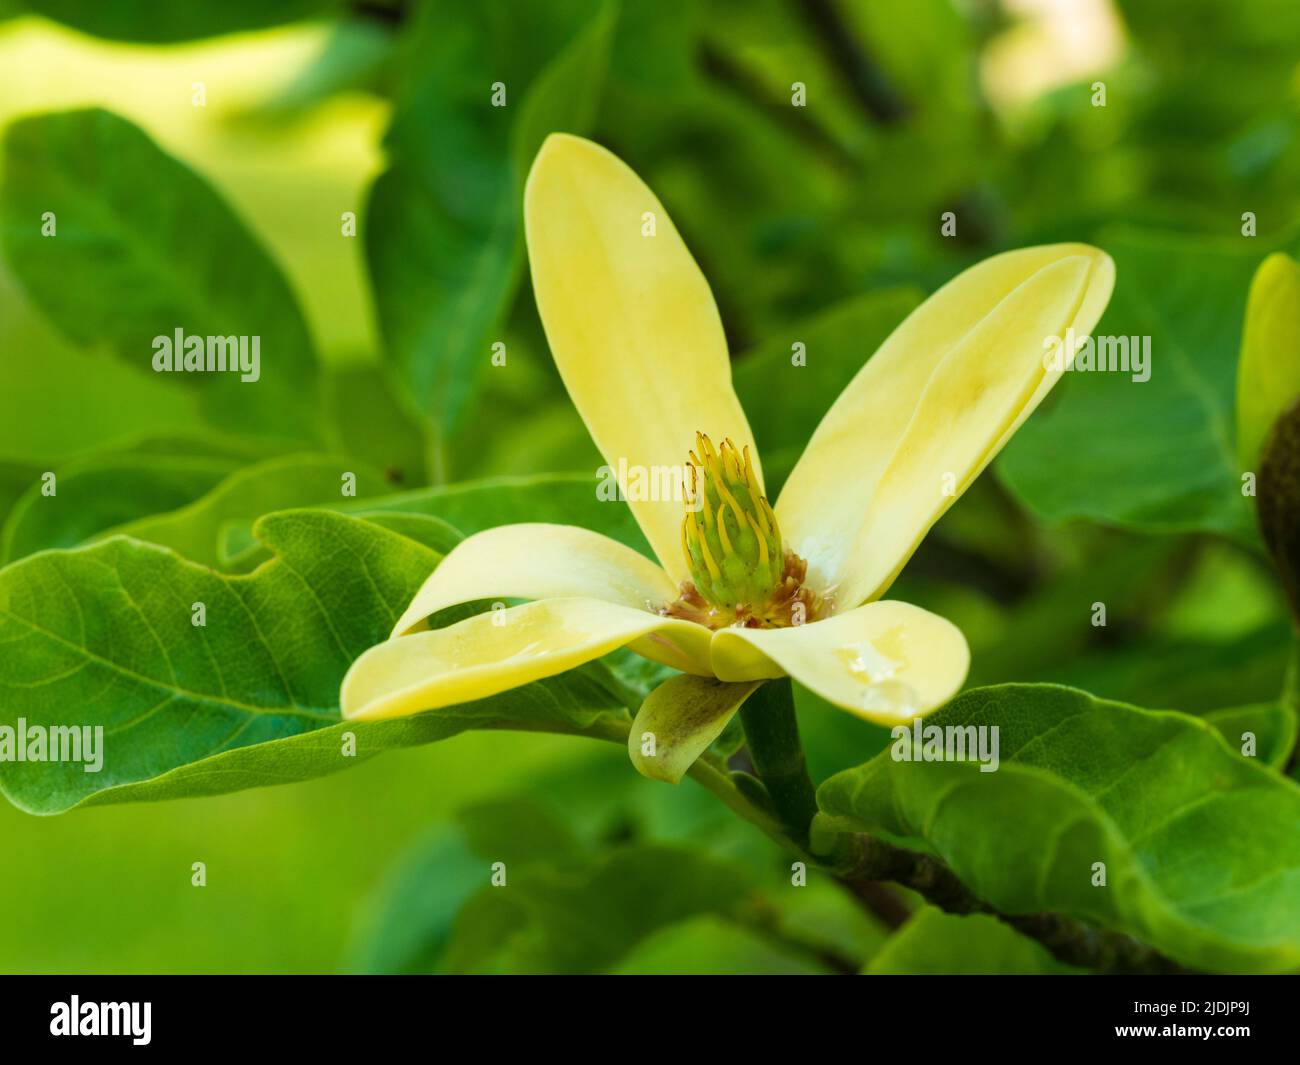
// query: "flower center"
[[741, 571]]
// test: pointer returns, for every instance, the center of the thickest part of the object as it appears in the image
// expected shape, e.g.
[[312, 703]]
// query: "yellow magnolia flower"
[[743, 591]]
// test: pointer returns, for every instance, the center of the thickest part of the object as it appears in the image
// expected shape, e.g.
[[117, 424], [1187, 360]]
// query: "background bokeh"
[[819, 224]]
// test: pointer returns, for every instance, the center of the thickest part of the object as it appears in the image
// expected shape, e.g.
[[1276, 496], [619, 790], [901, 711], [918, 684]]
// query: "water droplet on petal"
[[876, 664]]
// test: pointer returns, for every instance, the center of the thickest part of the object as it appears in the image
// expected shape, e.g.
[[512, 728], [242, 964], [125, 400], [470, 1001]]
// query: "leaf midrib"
[[293, 708]]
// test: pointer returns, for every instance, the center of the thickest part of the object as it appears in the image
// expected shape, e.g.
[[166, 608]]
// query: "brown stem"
[[881, 900]]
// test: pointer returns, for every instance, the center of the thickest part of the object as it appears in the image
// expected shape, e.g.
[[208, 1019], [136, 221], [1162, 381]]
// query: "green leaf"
[[1272, 725], [96, 493], [119, 482], [444, 234], [371, 423], [583, 917], [433, 533], [514, 888], [1158, 455], [354, 58], [562, 498], [483, 937], [709, 945], [140, 405], [126, 267], [1053, 623], [1197, 676], [16, 478], [518, 831], [163, 21], [1201, 847], [472, 506], [410, 923], [103, 635], [934, 942], [217, 529]]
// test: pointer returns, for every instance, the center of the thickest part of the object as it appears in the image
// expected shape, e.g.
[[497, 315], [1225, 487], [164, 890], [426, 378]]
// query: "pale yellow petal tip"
[[1101, 267], [1106, 265], [1099, 279], [1069, 249], [1278, 278], [1103, 275], [557, 145], [1279, 263], [562, 153]]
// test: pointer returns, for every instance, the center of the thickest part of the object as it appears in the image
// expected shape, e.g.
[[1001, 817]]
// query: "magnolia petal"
[[678, 721], [886, 661], [941, 396], [633, 328], [539, 561], [495, 652]]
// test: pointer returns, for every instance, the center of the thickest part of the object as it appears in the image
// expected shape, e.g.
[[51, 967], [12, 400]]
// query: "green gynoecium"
[[741, 571]]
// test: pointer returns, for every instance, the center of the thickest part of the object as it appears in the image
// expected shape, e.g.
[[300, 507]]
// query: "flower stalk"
[[772, 735]]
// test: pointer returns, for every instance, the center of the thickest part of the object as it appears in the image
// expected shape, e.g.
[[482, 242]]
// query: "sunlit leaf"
[[107, 636], [124, 268]]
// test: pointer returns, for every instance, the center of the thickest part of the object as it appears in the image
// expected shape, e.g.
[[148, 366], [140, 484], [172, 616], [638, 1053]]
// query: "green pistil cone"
[[730, 536]]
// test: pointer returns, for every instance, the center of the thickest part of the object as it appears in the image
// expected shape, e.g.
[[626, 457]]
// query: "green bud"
[[1268, 373]]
